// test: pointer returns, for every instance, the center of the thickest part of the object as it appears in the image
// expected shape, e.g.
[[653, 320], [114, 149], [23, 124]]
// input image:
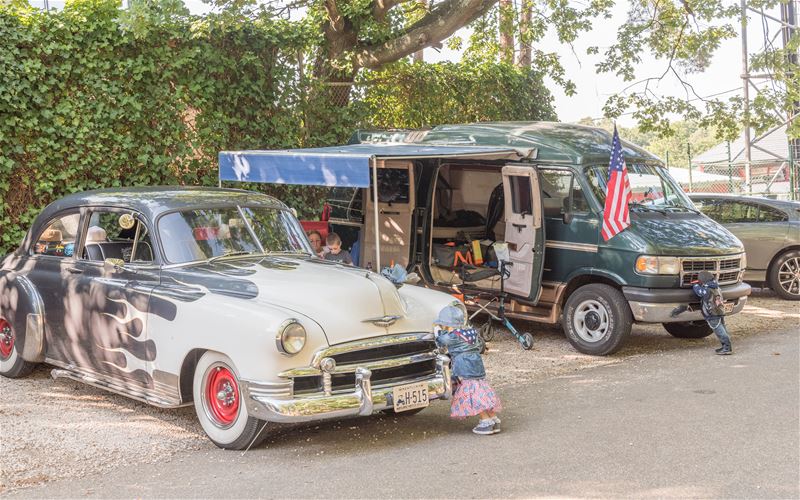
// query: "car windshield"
[[202, 234], [651, 187]]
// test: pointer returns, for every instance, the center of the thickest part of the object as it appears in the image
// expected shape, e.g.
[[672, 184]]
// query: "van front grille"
[[726, 270]]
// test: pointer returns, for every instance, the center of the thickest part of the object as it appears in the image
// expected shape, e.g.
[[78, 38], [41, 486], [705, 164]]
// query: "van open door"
[[395, 208], [524, 230]]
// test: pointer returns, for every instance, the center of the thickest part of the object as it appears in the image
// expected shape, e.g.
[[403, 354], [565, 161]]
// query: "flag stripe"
[[616, 215]]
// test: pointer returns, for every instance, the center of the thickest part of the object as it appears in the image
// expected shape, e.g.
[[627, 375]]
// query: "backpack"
[[716, 304]]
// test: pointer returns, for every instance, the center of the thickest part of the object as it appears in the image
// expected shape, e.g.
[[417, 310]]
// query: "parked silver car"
[[770, 232]]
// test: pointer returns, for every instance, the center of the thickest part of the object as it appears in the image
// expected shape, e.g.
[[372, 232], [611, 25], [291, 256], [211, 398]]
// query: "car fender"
[[245, 330], [22, 306]]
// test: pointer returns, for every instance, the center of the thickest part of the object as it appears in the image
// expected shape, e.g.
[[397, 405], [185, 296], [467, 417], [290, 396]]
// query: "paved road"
[[684, 423]]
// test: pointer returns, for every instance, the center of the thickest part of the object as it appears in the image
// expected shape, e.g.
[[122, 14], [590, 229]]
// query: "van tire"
[[688, 329], [597, 319]]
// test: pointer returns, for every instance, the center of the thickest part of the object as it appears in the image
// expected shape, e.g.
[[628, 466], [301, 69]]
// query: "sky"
[[723, 76]]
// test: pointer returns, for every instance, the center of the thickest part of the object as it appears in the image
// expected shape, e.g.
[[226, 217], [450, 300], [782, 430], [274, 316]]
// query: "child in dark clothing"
[[336, 253], [473, 395], [712, 305]]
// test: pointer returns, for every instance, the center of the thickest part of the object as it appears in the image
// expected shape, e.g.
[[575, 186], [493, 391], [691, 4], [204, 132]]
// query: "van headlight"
[[651, 264], [291, 337]]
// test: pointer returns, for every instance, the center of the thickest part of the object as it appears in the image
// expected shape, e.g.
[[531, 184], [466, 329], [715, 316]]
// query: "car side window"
[[114, 234], [770, 214], [734, 211], [59, 237], [556, 186]]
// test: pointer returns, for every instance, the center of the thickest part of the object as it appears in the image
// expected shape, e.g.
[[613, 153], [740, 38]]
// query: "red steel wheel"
[[6, 339], [222, 395]]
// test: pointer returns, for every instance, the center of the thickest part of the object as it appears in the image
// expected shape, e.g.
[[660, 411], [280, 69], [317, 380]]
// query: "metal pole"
[[730, 168], [667, 160], [789, 21], [746, 96], [689, 153], [376, 214]]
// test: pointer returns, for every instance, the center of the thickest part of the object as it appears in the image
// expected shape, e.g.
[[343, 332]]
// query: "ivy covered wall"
[[87, 102]]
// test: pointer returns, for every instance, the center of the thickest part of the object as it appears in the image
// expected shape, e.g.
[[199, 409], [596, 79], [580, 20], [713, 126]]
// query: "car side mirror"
[[111, 265], [566, 217]]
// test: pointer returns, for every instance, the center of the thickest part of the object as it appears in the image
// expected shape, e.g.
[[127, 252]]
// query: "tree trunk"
[[525, 49], [506, 14]]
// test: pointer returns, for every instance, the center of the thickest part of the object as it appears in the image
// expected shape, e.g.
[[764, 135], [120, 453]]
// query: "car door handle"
[[74, 270]]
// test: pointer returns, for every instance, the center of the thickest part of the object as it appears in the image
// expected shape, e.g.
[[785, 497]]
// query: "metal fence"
[[773, 179]]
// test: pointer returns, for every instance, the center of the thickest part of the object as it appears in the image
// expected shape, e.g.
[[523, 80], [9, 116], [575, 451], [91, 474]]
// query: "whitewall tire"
[[220, 405]]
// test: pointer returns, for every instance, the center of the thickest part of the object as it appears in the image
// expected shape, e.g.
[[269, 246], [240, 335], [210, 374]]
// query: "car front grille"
[[726, 270], [392, 359]]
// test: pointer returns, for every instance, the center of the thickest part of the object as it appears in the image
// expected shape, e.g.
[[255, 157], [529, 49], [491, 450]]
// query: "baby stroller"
[[482, 300]]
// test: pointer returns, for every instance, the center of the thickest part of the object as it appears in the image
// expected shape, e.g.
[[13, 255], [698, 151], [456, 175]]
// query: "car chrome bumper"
[[363, 400], [648, 312]]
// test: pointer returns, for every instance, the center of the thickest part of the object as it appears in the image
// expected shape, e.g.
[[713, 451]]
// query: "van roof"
[[562, 142]]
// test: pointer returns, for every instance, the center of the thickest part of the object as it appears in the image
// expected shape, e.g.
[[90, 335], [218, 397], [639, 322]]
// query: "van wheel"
[[784, 276], [11, 363], [688, 329], [220, 407], [597, 319]]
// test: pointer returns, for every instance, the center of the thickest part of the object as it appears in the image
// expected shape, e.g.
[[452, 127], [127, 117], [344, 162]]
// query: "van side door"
[[524, 230], [395, 210]]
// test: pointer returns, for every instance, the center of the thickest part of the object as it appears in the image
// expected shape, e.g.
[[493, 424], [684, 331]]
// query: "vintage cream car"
[[213, 297]]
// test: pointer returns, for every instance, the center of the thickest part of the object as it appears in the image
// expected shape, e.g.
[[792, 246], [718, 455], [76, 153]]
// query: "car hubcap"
[[789, 276], [591, 321], [6, 339], [222, 396]]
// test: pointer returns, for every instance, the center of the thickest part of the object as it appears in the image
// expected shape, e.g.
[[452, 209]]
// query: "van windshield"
[[651, 187]]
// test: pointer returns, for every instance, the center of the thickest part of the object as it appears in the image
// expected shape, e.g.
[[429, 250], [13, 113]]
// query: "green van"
[[595, 289]]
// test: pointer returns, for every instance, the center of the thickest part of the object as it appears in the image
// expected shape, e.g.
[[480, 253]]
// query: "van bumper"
[[655, 305]]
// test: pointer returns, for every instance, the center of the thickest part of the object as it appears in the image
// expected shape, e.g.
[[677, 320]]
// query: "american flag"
[[616, 216], [468, 335]]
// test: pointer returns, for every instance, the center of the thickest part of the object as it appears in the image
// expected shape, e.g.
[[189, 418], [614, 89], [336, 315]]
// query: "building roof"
[[773, 147]]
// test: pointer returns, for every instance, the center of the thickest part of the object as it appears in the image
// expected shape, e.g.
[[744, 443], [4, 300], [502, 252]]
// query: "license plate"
[[728, 307], [410, 396]]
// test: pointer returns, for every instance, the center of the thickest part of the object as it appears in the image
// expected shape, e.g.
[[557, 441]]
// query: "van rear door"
[[524, 230]]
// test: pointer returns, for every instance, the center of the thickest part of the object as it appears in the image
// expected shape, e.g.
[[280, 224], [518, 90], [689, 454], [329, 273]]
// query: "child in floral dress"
[[473, 395]]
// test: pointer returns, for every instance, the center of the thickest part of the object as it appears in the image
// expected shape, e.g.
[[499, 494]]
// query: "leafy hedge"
[[88, 102]]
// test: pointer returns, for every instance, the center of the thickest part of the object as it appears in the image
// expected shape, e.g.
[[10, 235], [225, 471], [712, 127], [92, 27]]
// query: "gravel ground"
[[57, 429]]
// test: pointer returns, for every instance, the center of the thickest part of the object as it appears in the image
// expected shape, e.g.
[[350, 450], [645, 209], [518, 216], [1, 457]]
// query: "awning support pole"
[[375, 203]]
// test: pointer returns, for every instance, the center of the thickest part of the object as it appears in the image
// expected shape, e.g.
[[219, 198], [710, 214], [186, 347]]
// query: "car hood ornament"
[[383, 321]]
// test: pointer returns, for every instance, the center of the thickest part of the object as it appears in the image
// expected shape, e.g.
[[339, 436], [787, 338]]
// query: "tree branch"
[[444, 20], [336, 19], [381, 7]]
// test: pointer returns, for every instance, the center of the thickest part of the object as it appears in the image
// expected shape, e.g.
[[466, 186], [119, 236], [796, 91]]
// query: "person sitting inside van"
[[336, 253]]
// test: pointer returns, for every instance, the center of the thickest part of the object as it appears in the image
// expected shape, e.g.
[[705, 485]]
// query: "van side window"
[[556, 187], [521, 194], [393, 185], [59, 237]]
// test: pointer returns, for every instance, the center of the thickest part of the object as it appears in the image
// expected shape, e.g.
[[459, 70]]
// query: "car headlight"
[[650, 264], [291, 337], [743, 264]]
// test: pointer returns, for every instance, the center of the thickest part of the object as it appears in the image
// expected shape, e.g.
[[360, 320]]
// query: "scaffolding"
[[786, 29]]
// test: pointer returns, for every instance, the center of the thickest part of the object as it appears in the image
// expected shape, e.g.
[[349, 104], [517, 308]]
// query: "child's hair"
[[333, 239]]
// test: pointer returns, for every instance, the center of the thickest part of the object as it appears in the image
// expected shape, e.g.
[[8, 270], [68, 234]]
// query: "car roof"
[[153, 201], [786, 204], [576, 144]]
